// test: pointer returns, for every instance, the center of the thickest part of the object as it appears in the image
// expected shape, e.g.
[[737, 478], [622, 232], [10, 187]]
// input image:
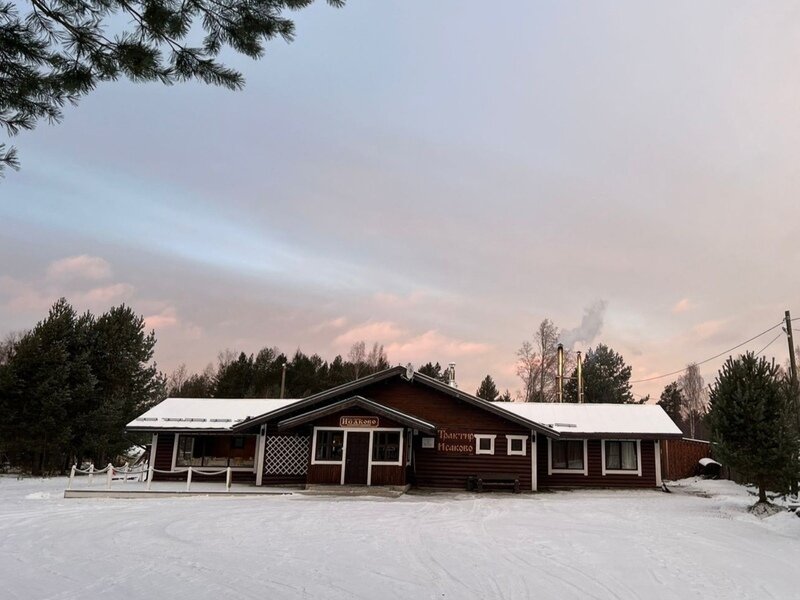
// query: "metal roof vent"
[[451, 375]]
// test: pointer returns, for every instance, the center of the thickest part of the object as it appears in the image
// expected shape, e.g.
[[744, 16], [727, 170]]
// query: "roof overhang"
[[320, 397], [612, 435], [486, 405], [359, 402], [414, 376]]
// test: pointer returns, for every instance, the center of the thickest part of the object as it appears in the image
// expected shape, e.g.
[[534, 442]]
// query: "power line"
[[770, 344], [702, 362]]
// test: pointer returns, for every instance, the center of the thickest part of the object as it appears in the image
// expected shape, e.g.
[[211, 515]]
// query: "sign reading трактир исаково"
[[358, 421], [456, 442]]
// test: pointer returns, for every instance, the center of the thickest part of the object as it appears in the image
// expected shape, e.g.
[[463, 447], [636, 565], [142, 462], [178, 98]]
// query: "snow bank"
[[567, 545]]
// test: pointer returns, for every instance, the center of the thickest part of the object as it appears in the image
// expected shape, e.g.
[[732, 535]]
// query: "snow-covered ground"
[[583, 544]]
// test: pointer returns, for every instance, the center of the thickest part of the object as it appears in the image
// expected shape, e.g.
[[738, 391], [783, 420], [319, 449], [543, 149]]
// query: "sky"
[[437, 177]]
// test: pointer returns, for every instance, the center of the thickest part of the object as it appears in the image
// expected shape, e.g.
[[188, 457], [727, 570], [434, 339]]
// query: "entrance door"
[[357, 462]]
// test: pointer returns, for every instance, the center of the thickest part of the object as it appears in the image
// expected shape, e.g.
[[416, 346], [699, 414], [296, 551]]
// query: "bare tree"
[[376, 359], [546, 338], [177, 379], [226, 357], [537, 364], [8, 346], [695, 397], [528, 361], [358, 356]]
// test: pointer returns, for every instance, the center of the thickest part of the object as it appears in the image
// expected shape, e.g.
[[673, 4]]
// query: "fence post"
[[109, 475], [91, 473], [189, 479], [149, 476], [125, 470], [71, 477], [228, 480]]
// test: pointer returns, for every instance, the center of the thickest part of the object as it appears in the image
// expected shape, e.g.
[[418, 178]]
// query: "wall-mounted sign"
[[359, 422], [456, 442], [428, 442]]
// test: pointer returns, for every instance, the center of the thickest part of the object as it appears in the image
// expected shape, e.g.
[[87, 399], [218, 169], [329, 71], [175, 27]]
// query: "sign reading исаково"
[[456, 442], [358, 421]]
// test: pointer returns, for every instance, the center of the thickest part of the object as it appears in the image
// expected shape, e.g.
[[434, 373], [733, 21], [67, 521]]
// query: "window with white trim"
[[516, 445], [567, 455], [329, 445], [484, 444], [386, 446], [622, 456]]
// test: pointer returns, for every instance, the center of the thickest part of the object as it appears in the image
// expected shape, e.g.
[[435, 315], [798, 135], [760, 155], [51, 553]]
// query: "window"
[[386, 446], [484, 444], [567, 455], [329, 445], [517, 445], [621, 455], [216, 451]]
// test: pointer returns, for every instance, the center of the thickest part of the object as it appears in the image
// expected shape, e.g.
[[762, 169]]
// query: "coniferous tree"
[[434, 371], [488, 390], [57, 51], [505, 397], [72, 385], [606, 378], [753, 423], [672, 401]]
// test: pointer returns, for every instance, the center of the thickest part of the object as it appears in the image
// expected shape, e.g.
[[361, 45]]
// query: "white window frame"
[[523, 439], [482, 436], [637, 471], [551, 470], [314, 460], [254, 468]]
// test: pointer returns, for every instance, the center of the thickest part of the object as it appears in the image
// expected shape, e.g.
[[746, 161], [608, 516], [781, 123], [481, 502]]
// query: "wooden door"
[[357, 458]]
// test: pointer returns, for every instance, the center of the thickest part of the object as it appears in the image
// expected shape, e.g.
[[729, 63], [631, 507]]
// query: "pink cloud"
[[336, 323], [707, 329], [681, 306], [102, 297], [24, 297], [166, 318], [378, 331], [432, 345], [79, 267]]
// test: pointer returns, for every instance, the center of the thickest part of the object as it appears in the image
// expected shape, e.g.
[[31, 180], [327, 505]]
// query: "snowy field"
[[587, 544]]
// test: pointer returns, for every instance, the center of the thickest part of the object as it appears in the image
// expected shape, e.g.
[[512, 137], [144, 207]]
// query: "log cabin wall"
[[429, 467], [595, 477]]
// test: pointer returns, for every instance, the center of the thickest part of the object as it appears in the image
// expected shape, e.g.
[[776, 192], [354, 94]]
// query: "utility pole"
[[792, 365], [283, 380], [793, 379], [580, 377], [560, 372]]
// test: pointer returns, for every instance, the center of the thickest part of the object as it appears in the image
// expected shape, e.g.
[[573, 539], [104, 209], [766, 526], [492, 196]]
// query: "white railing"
[[125, 473]]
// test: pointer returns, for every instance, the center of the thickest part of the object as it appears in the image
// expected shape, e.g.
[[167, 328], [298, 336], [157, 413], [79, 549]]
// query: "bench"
[[479, 481]]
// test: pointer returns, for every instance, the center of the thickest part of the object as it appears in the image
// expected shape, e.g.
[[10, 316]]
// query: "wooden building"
[[399, 427]]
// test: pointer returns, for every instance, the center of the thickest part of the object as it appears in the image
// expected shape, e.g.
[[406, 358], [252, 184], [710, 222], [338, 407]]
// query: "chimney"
[[561, 372], [451, 375]]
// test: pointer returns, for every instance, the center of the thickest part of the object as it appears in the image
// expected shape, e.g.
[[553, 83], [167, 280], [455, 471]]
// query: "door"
[[357, 458]]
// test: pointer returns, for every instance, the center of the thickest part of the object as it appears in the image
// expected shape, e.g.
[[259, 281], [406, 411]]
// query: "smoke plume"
[[591, 324]]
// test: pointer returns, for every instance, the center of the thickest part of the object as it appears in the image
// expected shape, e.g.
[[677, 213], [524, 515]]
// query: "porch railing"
[[125, 473]]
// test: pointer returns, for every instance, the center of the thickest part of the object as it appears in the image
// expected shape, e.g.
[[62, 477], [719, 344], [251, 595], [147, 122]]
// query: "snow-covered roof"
[[570, 419], [206, 413]]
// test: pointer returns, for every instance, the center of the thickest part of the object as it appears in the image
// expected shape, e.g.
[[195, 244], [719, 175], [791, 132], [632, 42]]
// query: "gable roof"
[[358, 384], [205, 414], [360, 401], [599, 420]]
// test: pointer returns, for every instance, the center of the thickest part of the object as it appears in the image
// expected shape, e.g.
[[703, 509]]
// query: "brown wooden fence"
[[679, 457]]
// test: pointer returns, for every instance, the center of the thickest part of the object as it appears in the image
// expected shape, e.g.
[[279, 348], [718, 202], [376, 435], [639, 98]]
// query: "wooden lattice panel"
[[286, 455]]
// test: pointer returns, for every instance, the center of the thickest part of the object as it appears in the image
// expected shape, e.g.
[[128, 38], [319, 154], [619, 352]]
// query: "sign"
[[456, 442], [359, 422]]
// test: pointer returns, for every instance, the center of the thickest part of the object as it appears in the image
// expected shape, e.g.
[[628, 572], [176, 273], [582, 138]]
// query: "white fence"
[[141, 474]]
